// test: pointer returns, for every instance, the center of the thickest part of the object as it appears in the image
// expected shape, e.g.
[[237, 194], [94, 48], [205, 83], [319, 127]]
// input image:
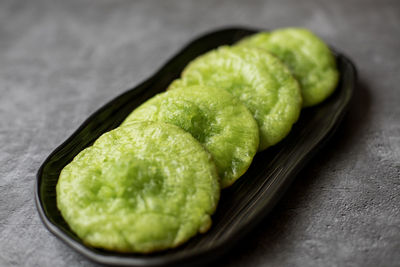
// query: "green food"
[[258, 79], [215, 118], [153, 183], [307, 56], [142, 187]]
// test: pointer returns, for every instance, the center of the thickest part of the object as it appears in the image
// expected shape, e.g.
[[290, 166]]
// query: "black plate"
[[241, 206]]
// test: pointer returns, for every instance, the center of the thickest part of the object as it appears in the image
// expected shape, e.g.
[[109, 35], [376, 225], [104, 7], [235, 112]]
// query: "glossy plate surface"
[[241, 206]]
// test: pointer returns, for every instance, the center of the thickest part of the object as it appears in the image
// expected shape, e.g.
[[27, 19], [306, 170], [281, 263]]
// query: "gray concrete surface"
[[61, 60]]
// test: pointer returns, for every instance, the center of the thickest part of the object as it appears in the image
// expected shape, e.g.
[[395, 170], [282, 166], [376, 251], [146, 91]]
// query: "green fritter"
[[255, 77], [215, 118], [306, 55], [142, 187]]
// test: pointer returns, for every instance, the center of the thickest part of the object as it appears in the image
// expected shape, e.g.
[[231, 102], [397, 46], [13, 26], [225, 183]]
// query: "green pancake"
[[142, 187], [307, 56], [258, 79], [215, 118]]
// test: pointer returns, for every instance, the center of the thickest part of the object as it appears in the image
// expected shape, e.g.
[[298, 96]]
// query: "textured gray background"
[[60, 61]]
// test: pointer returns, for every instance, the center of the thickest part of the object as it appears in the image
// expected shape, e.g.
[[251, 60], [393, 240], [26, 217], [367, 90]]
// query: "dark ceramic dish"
[[241, 206]]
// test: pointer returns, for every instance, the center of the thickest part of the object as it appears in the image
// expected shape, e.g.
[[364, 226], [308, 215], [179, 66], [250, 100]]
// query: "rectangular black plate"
[[242, 205]]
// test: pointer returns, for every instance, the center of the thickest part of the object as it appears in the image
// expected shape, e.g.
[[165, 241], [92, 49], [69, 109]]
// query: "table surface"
[[61, 60]]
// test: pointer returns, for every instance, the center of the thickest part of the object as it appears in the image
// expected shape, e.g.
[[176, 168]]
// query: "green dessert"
[[307, 56], [153, 183], [142, 187], [215, 118], [255, 77]]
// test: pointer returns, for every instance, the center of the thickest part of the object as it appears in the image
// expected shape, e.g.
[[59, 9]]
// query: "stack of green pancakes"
[[154, 182]]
